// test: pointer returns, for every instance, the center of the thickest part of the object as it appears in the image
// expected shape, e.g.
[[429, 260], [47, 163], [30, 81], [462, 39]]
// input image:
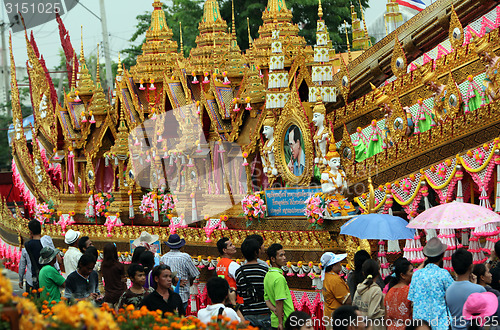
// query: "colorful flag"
[[418, 5]]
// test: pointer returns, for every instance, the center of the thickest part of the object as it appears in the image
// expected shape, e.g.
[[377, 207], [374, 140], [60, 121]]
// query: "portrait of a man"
[[295, 155]]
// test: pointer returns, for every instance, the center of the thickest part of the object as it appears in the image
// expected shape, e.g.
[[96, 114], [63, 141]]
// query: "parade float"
[[280, 140]]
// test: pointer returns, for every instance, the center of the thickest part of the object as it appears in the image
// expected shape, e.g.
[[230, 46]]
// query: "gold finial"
[[332, 151], [98, 76], [250, 41], [233, 27], [320, 10], [119, 71], [347, 39], [82, 57], [380, 98], [73, 74], [364, 23], [180, 32]]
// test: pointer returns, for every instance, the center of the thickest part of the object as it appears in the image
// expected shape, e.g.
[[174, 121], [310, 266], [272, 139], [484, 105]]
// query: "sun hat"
[[434, 247], [47, 254], [328, 259], [71, 236], [480, 305], [145, 238], [175, 241]]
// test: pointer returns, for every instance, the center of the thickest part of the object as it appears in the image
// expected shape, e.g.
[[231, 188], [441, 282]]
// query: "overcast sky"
[[121, 16]]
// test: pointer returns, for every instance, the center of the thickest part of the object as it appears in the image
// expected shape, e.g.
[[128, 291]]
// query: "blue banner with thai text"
[[288, 201]]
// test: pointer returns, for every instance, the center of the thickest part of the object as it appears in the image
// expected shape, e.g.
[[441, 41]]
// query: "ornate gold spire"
[[158, 48], [347, 40], [119, 71], [364, 24], [99, 105], [320, 10], [85, 84], [250, 41], [213, 39], [180, 39], [233, 26], [277, 16], [360, 39]]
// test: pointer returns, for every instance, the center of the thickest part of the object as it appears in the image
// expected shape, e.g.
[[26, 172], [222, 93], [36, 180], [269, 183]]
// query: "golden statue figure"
[[322, 135], [431, 83], [491, 84]]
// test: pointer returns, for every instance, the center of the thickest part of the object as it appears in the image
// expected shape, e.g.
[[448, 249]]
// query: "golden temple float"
[[220, 99]]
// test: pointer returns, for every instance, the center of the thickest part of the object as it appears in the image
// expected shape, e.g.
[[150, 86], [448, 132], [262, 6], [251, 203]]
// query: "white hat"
[[145, 238], [328, 259], [71, 236]]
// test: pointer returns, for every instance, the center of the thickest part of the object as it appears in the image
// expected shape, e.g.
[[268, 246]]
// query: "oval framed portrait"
[[294, 152]]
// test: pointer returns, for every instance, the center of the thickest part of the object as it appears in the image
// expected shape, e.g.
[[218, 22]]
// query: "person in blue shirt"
[[462, 288], [428, 287]]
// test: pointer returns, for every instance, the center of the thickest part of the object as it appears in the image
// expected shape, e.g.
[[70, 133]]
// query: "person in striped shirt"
[[250, 286], [181, 263]]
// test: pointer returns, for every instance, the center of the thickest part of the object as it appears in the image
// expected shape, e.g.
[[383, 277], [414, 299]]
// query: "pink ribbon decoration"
[[111, 222], [64, 221]]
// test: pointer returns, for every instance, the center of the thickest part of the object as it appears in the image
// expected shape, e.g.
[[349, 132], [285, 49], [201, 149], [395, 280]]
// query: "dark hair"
[[134, 268], [479, 270], [329, 268], [273, 250], [147, 260], [137, 254], [298, 319], [157, 272], [433, 260], [346, 314], [401, 266], [359, 258], [86, 259], [461, 261], [35, 227], [82, 242], [296, 133], [256, 237], [93, 252], [217, 289], [109, 255], [417, 323], [250, 249], [221, 245], [497, 248], [370, 267]]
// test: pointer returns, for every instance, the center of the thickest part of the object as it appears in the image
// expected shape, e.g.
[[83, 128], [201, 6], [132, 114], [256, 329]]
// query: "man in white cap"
[[73, 254], [335, 290]]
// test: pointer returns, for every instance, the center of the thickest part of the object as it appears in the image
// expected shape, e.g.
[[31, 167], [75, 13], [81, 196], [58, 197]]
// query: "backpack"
[[35, 269]]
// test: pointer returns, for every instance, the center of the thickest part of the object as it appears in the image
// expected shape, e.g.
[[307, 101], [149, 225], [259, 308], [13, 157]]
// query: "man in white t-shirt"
[[218, 292]]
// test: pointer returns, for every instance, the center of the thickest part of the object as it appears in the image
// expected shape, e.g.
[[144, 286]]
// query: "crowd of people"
[[257, 292]]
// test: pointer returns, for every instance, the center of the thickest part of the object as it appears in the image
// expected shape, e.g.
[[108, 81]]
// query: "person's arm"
[[233, 267], [59, 280], [193, 271], [22, 268], [270, 305], [279, 313]]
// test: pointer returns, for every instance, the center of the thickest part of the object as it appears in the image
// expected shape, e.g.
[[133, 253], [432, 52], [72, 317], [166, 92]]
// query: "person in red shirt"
[[226, 267]]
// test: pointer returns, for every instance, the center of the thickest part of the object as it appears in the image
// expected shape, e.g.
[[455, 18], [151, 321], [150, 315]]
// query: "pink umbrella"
[[454, 215]]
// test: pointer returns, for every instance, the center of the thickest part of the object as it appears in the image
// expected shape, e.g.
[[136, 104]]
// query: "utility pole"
[[109, 77], [5, 70]]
